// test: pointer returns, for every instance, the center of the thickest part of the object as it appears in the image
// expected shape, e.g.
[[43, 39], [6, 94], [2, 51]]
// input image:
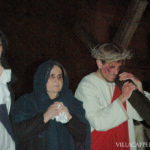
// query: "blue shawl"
[[38, 101]]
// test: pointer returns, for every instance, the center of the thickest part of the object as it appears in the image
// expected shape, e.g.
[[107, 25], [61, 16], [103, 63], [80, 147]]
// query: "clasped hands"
[[129, 87], [54, 110]]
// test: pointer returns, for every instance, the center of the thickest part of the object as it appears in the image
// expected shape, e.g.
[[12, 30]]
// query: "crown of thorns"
[[110, 52]]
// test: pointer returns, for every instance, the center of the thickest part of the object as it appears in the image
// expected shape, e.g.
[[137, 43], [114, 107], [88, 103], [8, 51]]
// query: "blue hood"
[[38, 101]]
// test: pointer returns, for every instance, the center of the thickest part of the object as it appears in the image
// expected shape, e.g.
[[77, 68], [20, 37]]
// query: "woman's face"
[[55, 82]]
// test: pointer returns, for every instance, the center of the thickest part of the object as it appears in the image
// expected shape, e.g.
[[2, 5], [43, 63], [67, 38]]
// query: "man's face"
[[1, 48], [109, 70]]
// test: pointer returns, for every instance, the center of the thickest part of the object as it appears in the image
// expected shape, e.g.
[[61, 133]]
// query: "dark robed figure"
[[50, 118]]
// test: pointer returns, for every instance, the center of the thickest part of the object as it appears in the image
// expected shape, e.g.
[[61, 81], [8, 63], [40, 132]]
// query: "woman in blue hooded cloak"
[[50, 118]]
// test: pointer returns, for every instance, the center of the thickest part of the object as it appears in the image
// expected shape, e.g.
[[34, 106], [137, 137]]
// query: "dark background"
[[41, 29]]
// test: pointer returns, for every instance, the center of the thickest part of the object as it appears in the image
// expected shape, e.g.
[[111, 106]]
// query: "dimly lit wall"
[[39, 30]]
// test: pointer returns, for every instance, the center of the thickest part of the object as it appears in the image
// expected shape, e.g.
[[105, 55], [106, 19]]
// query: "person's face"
[[109, 70], [55, 81], [1, 47]]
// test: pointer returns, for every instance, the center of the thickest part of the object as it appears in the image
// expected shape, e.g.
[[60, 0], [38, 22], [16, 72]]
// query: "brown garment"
[[139, 101]]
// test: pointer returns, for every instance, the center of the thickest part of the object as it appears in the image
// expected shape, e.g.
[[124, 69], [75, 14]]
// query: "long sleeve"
[[76, 128], [100, 112], [6, 134], [28, 128], [5, 98]]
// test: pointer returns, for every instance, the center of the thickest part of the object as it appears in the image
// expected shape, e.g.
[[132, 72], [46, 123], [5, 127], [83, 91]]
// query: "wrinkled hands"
[[54, 110], [129, 87]]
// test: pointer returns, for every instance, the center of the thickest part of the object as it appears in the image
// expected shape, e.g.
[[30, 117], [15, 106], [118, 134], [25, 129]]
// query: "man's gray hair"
[[110, 52]]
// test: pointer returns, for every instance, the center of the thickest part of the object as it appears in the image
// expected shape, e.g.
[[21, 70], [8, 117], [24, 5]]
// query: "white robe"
[[6, 141], [96, 95]]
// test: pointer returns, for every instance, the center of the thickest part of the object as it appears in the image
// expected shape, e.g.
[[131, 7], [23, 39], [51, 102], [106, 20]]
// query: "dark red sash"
[[114, 139]]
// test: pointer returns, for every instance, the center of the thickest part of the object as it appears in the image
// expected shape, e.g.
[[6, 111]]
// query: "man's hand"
[[125, 76], [127, 90]]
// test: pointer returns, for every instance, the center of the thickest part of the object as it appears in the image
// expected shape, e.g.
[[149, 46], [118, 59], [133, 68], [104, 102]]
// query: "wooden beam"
[[130, 22], [85, 36]]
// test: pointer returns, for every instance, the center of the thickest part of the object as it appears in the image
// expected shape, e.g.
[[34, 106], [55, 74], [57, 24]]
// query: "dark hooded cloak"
[[28, 111]]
